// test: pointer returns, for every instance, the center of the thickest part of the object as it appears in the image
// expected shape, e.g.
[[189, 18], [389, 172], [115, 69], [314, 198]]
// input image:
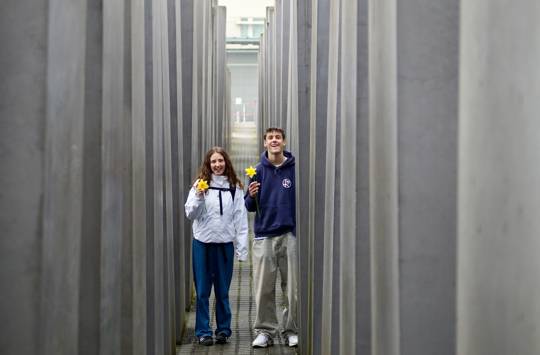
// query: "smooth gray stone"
[[499, 134], [23, 83], [427, 111], [383, 178], [139, 155], [61, 208]]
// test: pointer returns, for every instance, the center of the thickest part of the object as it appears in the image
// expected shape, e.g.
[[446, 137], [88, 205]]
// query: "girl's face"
[[217, 164]]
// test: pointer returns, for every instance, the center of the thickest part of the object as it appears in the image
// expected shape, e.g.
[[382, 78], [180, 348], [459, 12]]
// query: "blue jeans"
[[212, 265]]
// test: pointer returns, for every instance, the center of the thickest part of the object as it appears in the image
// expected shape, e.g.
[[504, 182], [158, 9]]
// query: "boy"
[[274, 245]]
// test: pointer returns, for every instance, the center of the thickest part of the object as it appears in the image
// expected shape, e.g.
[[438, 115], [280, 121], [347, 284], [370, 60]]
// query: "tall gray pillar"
[[179, 185], [383, 177], [299, 69], [272, 70], [139, 180], [413, 119], [197, 95], [261, 102], [318, 85], [499, 198], [427, 112], [187, 168], [23, 105], [220, 121], [115, 244], [279, 80]]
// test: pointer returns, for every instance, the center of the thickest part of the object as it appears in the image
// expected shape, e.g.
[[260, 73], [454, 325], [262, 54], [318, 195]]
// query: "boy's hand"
[[253, 188]]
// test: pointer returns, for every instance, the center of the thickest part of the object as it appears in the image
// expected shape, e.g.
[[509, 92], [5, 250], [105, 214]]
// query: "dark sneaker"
[[221, 338], [206, 341]]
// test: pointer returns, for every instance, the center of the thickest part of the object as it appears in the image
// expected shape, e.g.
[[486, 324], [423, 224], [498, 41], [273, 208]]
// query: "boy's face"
[[274, 142]]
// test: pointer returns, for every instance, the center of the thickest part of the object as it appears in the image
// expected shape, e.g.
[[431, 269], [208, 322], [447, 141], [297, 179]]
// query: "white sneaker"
[[262, 340], [292, 340]]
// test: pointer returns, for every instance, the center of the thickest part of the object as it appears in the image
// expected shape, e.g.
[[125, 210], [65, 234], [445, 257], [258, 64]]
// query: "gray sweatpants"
[[271, 255]]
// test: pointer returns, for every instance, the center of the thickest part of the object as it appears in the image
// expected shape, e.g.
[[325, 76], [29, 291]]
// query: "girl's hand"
[[198, 193], [253, 188]]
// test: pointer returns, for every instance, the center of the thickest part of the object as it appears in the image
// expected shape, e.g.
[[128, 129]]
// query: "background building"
[[245, 24]]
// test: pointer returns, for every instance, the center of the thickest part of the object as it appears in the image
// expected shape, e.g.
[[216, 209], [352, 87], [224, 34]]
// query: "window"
[[251, 27], [244, 31], [258, 30]]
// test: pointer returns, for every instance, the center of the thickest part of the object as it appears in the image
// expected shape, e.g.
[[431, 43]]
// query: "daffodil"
[[251, 172], [202, 185]]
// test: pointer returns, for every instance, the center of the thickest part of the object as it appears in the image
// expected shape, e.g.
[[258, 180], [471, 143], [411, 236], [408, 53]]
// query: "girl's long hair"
[[205, 171]]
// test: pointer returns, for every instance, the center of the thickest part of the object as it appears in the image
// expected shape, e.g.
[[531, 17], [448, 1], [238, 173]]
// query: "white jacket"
[[209, 226]]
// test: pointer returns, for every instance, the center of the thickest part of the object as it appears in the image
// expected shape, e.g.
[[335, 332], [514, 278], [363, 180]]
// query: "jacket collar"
[[220, 181]]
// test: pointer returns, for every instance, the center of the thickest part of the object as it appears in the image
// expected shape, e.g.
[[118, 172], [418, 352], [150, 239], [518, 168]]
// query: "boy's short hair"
[[274, 129]]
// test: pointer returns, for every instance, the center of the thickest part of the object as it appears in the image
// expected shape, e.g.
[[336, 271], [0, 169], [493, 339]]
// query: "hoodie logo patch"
[[286, 183]]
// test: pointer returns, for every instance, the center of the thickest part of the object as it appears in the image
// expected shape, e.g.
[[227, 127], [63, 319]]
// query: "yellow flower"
[[202, 185], [251, 172]]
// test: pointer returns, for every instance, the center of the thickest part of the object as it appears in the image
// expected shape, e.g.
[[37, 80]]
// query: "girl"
[[219, 225]]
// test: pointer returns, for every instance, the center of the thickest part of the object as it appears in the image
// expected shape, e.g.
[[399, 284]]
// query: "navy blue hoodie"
[[277, 198]]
